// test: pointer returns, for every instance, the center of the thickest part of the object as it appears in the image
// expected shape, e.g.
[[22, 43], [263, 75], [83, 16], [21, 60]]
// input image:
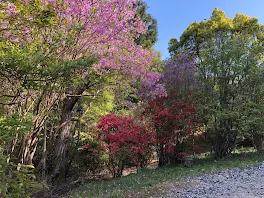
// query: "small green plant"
[[16, 180]]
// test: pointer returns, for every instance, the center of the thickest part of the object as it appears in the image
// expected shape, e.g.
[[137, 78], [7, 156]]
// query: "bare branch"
[[69, 95]]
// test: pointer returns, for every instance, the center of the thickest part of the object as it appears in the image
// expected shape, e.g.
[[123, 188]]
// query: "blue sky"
[[174, 16]]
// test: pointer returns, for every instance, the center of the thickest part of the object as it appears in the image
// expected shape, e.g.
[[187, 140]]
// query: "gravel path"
[[230, 183]]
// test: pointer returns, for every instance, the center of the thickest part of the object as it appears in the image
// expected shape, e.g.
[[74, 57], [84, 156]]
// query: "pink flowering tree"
[[89, 40]]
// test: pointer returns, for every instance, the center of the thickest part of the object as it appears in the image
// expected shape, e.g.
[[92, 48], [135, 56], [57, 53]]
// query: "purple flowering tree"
[[177, 79], [179, 76], [151, 86]]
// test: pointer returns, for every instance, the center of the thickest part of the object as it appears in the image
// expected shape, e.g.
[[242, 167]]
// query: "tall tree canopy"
[[228, 53], [56, 52]]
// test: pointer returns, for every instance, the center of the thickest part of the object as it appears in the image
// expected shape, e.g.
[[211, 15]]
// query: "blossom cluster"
[[79, 28]]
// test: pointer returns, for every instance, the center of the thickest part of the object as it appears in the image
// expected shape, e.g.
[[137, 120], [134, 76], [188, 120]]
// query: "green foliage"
[[16, 180], [10, 126], [228, 57], [101, 105], [157, 64], [173, 46], [148, 39], [90, 157]]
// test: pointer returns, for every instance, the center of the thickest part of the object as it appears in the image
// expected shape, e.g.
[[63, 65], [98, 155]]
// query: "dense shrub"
[[16, 180], [128, 143], [91, 157], [176, 126]]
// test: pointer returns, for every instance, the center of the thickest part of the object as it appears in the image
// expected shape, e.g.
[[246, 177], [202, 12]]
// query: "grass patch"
[[154, 180]]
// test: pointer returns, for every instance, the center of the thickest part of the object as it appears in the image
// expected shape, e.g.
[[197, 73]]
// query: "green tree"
[[226, 51], [148, 39]]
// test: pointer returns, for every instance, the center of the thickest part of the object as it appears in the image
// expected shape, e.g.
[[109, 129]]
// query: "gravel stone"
[[245, 182]]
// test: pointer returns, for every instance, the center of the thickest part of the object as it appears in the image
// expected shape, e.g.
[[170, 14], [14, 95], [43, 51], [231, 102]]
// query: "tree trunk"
[[41, 168], [224, 143], [64, 139], [258, 142], [30, 142], [162, 155], [62, 146], [30, 149], [76, 145], [44, 154]]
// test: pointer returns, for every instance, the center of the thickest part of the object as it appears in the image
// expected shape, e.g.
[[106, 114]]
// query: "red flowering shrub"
[[175, 124], [128, 144]]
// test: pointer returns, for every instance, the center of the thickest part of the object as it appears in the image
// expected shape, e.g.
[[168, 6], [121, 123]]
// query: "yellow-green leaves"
[[219, 24]]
